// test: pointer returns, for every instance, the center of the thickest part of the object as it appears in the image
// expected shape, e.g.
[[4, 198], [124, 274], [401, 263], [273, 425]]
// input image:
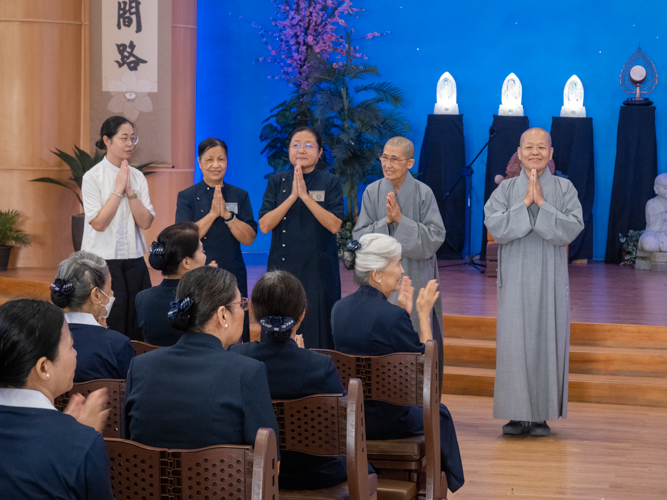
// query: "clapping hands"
[[91, 411], [405, 294]]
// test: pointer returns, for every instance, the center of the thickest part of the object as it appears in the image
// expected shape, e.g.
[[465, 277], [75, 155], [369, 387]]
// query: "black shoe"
[[515, 427], [539, 429]]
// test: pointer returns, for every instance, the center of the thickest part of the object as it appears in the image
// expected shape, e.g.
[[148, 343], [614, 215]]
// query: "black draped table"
[[635, 171], [572, 140], [508, 130], [440, 163]]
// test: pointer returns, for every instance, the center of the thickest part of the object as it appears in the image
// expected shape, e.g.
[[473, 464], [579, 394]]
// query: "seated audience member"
[[83, 289], [176, 251], [45, 453], [365, 323], [279, 305], [196, 393]]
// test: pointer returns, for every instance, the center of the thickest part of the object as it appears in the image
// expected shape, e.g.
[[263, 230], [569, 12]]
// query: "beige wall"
[[44, 100]]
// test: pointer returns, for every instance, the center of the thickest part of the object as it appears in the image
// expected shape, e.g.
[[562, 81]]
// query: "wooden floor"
[[600, 451]]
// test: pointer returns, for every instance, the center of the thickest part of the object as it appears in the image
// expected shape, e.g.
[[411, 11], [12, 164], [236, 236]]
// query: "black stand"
[[467, 172], [508, 135], [573, 155], [441, 160], [634, 174]]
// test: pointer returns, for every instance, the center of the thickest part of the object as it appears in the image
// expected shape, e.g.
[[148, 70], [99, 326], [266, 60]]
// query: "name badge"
[[317, 195], [233, 207]]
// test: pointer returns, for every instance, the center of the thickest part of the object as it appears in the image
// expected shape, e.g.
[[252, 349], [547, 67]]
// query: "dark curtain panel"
[[440, 163], [572, 140], [508, 130], [636, 169]]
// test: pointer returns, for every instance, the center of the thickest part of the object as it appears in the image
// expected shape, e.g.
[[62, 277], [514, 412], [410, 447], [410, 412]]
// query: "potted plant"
[[10, 236], [79, 164]]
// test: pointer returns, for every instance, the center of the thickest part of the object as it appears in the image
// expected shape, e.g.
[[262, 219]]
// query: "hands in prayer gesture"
[[299, 189], [534, 191], [218, 205], [393, 210], [405, 293], [91, 411], [123, 178]]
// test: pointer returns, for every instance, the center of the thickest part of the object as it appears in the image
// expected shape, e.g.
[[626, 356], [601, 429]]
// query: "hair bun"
[[156, 257], [277, 328], [350, 254], [62, 287]]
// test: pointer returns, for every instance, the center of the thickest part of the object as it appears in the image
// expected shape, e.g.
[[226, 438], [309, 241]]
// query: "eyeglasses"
[[244, 303], [299, 146], [393, 161], [132, 140]]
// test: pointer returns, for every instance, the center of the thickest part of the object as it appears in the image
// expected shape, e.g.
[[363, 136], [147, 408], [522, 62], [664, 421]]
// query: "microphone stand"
[[469, 260]]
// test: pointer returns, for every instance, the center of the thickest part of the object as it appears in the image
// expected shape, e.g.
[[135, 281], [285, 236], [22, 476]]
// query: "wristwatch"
[[227, 221], [132, 196]]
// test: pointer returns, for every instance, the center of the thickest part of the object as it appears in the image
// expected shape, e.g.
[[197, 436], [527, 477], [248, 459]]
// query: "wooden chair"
[[403, 379], [329, 425], [142, 347], [116, 388], [215, 472]]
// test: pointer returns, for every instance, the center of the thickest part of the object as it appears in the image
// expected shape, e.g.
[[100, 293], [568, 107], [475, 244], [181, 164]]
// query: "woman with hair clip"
[[303, 209], [222, 213], [177, 250], [83, 289], [279, 305], [45, 453], [117, 207], [196, 393], [365, 323]]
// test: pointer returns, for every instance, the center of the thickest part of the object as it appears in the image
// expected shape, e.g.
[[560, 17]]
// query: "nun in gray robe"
[[533, 332], [420, 233]]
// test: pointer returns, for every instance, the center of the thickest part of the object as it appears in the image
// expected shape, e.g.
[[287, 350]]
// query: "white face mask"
[[108, 305]]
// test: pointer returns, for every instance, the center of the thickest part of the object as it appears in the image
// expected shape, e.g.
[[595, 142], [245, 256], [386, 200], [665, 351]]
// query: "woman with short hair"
[[45, 453], [279, 305], [365, 323], [177, 250], [82, 288], [196, 393], [222, 213]]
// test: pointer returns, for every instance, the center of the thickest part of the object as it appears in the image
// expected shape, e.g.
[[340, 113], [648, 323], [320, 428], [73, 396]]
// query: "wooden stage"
[[618, 355]]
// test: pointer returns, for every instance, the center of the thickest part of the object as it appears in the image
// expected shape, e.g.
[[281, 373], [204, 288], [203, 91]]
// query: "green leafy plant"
[[630, 244], [9, 233], [344, 236], [79, 164]]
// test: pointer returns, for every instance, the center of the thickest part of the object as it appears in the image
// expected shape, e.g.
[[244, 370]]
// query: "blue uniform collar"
[[200, 338], [371, 292], [170, 283]]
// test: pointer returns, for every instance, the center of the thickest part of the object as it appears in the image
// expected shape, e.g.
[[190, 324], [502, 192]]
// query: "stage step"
[[609, 363], [631, 362], [594, 334], [645, 391]]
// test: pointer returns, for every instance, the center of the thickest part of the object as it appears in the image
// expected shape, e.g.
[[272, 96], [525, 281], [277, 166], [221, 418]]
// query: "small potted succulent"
[[10, 236]]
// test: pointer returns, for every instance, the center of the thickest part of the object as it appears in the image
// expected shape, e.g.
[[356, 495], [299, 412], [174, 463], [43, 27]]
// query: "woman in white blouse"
[[117, 207]]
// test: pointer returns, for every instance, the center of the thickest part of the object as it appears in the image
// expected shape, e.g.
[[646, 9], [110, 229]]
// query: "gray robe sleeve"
[[506, 224], [420, 240], [561, 228], [370, 218]]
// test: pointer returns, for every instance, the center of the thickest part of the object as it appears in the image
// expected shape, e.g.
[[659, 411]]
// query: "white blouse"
[[122, 239]]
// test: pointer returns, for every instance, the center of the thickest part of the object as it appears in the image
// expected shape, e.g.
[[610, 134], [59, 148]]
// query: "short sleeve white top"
[[122, 239]]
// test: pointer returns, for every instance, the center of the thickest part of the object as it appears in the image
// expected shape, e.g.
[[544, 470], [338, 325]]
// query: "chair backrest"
[[142, 347], [116, 388], [223, 471], [404, 379], [329, 425]]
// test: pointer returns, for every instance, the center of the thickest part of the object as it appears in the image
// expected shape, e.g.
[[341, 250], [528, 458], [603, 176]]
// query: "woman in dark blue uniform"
[[304, 209], [279, 305], [45, 453], [83, 289], [196, 393], [177, 250], [365, 323], [223, 214]]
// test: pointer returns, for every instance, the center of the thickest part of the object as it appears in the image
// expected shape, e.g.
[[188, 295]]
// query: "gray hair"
[[85, 271], [404, 143], [375, 254]]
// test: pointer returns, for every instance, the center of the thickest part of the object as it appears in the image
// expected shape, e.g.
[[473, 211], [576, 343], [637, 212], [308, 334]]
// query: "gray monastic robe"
[[533, 333], [420, 233]]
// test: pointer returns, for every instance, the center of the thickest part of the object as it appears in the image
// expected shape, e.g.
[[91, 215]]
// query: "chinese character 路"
[[127, 56], [127, 9]]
